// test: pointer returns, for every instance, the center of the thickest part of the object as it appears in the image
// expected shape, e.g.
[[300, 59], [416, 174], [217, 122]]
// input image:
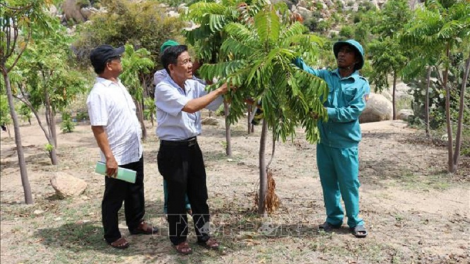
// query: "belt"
[[185, 142]]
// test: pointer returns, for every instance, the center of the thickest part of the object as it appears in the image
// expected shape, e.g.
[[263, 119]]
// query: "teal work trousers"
[[339, 170]]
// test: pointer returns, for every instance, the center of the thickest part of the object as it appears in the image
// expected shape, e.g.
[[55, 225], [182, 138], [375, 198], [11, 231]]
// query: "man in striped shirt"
[[118, 133], [179, 99]]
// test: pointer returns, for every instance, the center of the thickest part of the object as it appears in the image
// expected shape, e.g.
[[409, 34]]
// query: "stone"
[[403, 114], [210, 121], [378, 108], [66, 185]]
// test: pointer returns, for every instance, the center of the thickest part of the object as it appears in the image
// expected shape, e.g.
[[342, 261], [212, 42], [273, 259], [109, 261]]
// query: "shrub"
[[67, 125]]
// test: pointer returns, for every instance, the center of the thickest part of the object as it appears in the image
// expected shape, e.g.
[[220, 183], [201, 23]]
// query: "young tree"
[[211, 18], [439, 29], [388, 56], [136, 64], [17, 18], [46, 78], [261, 67]]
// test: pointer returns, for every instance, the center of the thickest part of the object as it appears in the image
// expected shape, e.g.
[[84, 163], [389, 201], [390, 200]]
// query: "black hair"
[[170, 55], [99, 68]]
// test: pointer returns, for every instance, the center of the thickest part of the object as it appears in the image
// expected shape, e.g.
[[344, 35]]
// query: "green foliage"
[[46, 75], [177, 2], [260, 66], [4, 110], [48, 147], [67, 124], [212, 18], [346, 32], [135, 64], [25, 112], [388, 56], [149, 108], [143, 24], [81, 116]]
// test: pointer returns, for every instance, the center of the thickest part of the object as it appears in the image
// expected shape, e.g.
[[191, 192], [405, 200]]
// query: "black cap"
[[103, 53]]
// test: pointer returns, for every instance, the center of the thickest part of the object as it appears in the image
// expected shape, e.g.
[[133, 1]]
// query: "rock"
[[305, 13], [403, 114], [210, 121], [38, 212], [172, 13], [378, 109], [72, 11], [66, 185], [78, 11]]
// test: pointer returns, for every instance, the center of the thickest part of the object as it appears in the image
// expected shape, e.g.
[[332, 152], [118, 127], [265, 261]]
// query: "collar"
[[106, 82], [187, 87], [355, 75]]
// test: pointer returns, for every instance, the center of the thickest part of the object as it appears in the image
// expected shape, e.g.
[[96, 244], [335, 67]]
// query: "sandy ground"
[[414, 211]]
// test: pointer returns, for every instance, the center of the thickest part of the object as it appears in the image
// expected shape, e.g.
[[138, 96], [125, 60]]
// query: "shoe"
[[183, 248], [120, 243], [144, 229], [327, 227], [359, 231], [211, 243]]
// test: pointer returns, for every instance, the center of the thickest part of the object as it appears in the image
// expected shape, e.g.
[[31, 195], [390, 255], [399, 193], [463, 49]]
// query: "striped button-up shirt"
[[173, 122], [110, 105]]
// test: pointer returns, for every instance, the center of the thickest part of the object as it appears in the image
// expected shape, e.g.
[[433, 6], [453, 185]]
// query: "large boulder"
[[378, 108], [78, 11], [66, 185]]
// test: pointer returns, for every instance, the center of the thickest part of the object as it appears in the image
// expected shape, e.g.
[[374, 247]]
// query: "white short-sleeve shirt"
[[110, 105]]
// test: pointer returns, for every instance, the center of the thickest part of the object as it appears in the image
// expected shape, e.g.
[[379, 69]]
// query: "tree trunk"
[[228, 136], [394, 102], [54, 128], [140, 116], [19, 147], [263, 179], [458, 138], [450, 162], [8, 130], [426, 102], [51, 138], [53, 152], [249, 107]]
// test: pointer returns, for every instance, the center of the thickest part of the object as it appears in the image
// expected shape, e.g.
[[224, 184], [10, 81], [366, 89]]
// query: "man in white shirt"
[[179, 99], [118, 133]]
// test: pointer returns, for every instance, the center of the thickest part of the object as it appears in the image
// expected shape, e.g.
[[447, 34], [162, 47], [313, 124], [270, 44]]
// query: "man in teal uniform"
[[337, 152]]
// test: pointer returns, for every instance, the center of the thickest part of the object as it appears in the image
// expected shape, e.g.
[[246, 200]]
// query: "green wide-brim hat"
[[355, 45]]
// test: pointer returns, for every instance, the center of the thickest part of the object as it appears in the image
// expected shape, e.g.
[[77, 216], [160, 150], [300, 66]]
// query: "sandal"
[[183, 248], [120, 243], [144, 229], [359, 231], [211, 243], [327, 227]]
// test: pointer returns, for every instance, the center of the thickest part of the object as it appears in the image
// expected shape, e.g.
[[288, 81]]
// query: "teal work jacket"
[[347, 99]]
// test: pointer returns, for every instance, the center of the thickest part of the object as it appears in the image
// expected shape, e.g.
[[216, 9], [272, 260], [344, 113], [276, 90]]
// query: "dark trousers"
[[132, 194], [182, 166]]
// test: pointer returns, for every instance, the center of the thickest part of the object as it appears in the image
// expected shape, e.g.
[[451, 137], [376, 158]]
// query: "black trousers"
[[181, 164], [132, 194]]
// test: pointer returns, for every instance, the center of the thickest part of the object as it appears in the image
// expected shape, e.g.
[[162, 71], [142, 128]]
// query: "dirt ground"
[[414, 211]]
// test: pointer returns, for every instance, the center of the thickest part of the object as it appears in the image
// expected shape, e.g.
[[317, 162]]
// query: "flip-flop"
[[359, 231], [327, 227], [120, 243]]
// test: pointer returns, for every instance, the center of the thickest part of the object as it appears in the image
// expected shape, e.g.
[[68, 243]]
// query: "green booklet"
[[123, 174]]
